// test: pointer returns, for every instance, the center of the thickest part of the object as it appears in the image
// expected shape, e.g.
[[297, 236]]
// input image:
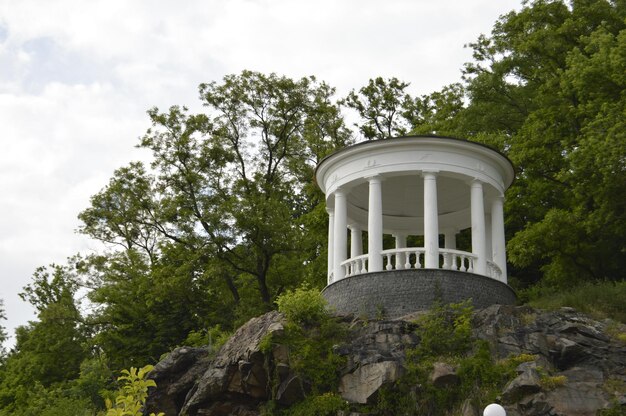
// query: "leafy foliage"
[[310, 334], [548, 89], [3, 333], [327, 404], [384, 107], [133, 393], [303, 306]]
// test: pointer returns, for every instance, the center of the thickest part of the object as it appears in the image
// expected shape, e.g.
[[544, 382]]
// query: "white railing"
[[355, 265], [457, 260], [403, 258], [413, 258]]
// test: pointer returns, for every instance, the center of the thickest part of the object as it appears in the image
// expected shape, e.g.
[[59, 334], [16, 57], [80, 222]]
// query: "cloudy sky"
[[76, 79]]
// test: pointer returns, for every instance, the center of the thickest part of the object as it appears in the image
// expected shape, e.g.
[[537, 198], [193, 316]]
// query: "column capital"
[[429, 173], [475, 182], [355, 227], [374, 178], [330, 211]]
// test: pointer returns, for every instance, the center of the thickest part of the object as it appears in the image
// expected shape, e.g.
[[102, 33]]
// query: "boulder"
[[443, 375], [362, 384], [175, 376], [528, 382], [236, 379]]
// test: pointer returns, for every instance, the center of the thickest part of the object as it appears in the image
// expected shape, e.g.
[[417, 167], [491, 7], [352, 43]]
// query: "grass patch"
[[552, 382], [600, 300]]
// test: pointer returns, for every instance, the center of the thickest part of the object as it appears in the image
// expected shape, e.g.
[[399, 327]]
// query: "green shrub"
[[212, 338], [310, 334], [304, 306], [445, 330]]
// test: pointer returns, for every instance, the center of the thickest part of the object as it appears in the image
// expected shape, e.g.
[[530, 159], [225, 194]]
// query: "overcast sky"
[[76, 79]]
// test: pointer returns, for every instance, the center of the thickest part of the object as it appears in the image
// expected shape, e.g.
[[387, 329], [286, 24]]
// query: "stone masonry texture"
[[392, 294]]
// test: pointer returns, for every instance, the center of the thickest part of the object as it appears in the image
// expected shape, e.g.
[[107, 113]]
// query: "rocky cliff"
[[573, 366]]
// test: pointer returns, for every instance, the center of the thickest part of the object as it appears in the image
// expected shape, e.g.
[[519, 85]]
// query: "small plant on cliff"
[[132, 395], [327, 404], [445, 336], [303, 306], [310, 334]]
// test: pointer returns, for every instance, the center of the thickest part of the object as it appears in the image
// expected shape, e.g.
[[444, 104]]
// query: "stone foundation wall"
[[392, 294]]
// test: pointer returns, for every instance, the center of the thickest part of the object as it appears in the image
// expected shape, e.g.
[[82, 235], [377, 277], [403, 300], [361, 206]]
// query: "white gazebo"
[[415, 186]]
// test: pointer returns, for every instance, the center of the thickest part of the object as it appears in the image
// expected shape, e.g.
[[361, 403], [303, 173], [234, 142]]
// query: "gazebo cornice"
[[394, 144]]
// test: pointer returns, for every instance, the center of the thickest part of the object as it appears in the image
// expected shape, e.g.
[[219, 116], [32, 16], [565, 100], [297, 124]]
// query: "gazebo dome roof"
[[397, 161]]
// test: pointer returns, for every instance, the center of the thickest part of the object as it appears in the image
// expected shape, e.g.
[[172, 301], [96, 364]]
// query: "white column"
[[400, 257], [449, 242], [375, 226], [478, 227], [340, 235], [431, 222], [356, 241], [488, 248], [331, 241], [450, 238], [498, 243]]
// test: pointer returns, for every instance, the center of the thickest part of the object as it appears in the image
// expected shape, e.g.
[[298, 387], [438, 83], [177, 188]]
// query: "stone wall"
[[392, 294]]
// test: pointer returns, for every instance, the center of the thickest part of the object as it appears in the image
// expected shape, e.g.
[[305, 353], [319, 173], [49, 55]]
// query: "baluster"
[[454, 262], [363, 266], [462, 268], [470, 268], [418, 265], [445, 264], [388, 256], [407, 265]]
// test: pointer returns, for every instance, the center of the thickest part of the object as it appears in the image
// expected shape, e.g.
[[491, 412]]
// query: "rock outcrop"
[[577, 368]]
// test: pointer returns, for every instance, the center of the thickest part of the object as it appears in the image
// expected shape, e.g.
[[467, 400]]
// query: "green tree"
[[385, 108], [547, 88], [48, 351], [216, 229], [3, 333]]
